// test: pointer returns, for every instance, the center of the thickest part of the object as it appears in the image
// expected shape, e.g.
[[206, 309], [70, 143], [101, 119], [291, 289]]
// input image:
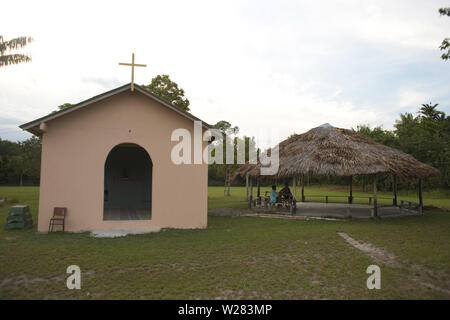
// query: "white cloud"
[[411, 98], [287, 66]]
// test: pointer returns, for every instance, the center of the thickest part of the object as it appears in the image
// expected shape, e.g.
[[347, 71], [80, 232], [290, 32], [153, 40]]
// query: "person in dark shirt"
[[285, 192]]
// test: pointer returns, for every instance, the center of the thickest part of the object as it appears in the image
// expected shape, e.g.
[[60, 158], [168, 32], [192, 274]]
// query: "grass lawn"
[[235, 257]]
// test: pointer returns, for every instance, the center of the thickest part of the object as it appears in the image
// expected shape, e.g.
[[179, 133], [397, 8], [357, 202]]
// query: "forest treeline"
[[425, 135]]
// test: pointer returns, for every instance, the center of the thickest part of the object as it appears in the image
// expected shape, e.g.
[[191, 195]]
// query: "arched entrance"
[[128, 183]]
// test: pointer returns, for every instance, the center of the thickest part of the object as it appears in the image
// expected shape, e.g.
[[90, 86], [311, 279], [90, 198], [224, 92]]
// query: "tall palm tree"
[[429, 111], [6, 57]]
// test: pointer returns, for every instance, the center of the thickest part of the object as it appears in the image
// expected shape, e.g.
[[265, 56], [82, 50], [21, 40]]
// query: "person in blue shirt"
[[273, 195]]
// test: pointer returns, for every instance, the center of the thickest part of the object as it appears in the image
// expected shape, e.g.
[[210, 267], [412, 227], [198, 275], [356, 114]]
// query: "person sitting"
[[285, 193], [274, 195]]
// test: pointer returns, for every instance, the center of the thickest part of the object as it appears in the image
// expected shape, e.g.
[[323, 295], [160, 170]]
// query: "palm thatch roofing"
[[328, 150]]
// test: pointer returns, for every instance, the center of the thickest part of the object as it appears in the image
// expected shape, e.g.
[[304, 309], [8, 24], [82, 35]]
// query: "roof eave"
[[30, 126]]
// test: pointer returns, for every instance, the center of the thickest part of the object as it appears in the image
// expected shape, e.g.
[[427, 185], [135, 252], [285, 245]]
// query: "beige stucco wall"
[[74, 151]]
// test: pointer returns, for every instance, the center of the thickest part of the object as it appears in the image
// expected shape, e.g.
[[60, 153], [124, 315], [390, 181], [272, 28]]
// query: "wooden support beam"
[[420, 196], [258, 192], [251, 193], [246, 185], [294, 187], [395, 190], [350, 198], [303, 187], [294, 195], [375, 209]]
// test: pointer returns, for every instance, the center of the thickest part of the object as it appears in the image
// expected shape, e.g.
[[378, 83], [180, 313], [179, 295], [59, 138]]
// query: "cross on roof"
[[132, 64]]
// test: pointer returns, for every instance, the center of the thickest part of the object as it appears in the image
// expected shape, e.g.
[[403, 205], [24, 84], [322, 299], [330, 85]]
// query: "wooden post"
[[246, 184], [294, 187], [375, 211], [294, 195], [251, 193], [350, 198], [395, 190], [420, 197], [303, 187], [258, 191], [228, 180], [294, 206]]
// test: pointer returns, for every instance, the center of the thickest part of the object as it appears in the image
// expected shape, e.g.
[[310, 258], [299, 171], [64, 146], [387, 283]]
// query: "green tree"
[[445, 45], [17, 166], [20, 161], [7, 57], [26, 161], [8, 149], [227, 130], [31, 149], [378, 134], [164, 88], [427, 138], [63, 106], [429, 111]]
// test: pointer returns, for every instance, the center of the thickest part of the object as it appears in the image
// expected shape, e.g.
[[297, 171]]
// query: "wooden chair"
[[285, 200], [58, 219]]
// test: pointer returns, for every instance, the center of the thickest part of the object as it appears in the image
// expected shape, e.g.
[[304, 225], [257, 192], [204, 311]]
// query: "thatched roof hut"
[[335, 151]]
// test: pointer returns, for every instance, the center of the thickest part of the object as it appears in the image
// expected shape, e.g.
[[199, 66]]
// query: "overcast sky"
[[266, 66]]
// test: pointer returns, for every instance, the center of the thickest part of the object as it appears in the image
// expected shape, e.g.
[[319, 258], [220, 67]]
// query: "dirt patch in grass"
[[31, 284], [380, 255]]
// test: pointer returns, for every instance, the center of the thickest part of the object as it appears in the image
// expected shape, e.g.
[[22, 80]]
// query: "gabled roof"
[[33, 126]]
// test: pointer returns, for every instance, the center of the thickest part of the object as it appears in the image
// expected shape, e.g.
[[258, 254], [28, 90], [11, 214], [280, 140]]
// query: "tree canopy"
[[164, 88], [63, 106], [425, 136], [226, 127], [20, 161]]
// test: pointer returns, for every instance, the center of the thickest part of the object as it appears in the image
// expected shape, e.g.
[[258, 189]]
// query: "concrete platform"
[[343, 210], [114, 233]]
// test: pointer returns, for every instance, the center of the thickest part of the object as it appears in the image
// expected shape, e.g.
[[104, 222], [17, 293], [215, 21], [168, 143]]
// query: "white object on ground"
[[113, 233]]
